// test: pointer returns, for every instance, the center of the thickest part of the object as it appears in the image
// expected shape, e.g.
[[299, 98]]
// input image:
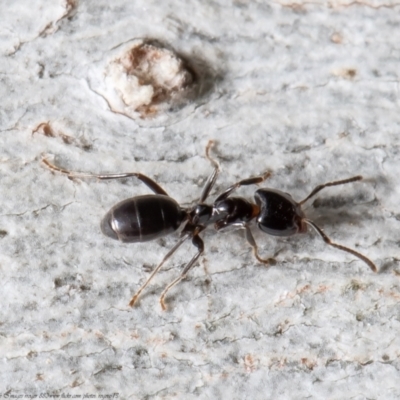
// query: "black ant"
[[148, 217]]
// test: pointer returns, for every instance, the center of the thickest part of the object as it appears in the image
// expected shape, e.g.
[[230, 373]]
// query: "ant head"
[[279, 214]]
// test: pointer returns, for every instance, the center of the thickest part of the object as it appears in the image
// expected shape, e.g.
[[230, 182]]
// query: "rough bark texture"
[[309, 91]]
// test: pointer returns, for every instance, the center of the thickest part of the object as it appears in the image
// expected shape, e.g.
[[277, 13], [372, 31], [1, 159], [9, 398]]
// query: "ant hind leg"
[[167, 256], [150, 183], [198, 242]]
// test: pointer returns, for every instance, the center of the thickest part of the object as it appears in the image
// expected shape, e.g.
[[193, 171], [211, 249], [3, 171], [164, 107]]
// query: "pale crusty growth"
[[149, 77]]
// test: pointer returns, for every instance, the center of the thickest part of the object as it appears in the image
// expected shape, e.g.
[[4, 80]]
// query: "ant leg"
[[213, 177], [221, 225], [340, 247], [253, 244], [155, 187], [244, 182], [208, 147], [334, 183], [198, 242], [135, 297]]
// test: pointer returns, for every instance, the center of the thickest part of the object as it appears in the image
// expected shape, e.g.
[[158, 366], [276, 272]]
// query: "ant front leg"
[[253, 244], [150, 183], [245, 182], [224, 224]]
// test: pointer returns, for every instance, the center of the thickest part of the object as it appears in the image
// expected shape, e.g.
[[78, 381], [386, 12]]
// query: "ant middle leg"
[[150, 183], [334, 183], [327, 240], [213, 177], [198, 242]]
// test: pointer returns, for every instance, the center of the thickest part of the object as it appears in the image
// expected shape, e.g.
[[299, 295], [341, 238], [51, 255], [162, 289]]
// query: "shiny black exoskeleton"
[[143, 218], [148, 217], [279, 214]]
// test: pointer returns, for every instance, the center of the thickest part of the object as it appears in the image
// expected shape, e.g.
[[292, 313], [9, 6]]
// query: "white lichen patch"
[[148, 78]]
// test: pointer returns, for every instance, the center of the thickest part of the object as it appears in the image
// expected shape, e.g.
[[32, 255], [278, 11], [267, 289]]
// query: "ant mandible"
[[148, 217]]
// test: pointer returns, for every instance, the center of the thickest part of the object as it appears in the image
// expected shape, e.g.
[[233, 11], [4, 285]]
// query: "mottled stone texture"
[[309, 91]]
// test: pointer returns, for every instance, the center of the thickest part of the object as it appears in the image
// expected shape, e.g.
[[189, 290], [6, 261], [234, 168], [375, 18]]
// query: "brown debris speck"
[[47, 130], [336, 38]]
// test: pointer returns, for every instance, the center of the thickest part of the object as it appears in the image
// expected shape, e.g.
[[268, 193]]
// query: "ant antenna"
[[339, 246], [334, 183]]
